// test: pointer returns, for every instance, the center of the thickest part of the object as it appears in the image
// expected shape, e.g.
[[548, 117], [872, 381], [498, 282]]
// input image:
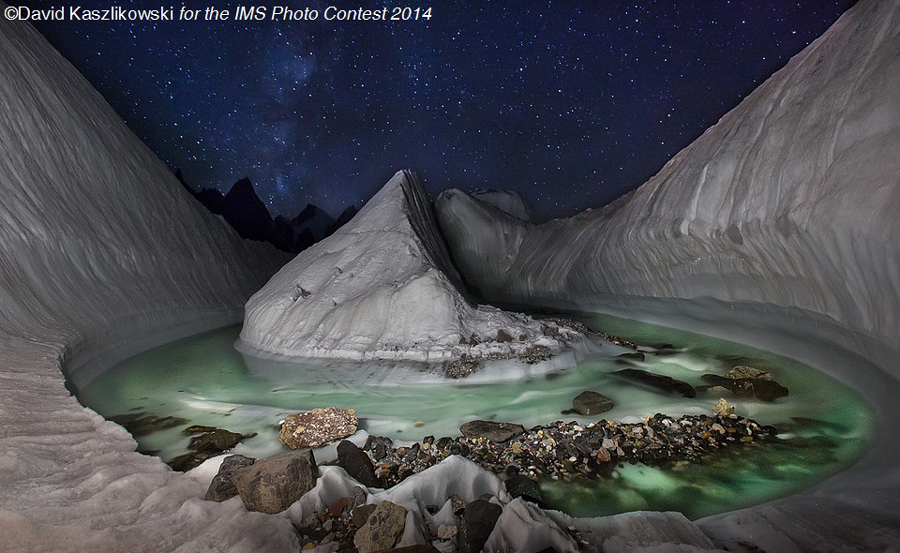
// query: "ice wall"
[[791, 199], [101, 251], [383, 287]]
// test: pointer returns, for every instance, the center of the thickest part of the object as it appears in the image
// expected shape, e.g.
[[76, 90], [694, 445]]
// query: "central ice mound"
[[383, 287]]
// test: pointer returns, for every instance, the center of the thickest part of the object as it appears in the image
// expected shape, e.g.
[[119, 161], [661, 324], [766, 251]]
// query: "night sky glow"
[[570, 103]]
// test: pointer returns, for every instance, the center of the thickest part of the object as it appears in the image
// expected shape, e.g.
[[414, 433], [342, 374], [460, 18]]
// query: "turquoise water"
[[824, 426]]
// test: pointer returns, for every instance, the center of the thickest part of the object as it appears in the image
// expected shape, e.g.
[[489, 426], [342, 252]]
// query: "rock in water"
[[215, 441], [479, 519], [491, 431], [524, 487], [222, 486], [317, 427], [658, 381], [591, 403], [383, 286], [356, 463], [382, 529], [759, 388], [272, 484], [723, 408], [746, 371]]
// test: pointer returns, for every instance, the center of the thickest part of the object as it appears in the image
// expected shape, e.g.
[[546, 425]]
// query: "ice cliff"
[[791, 199], [778, 227], [383, 287], [101, 252]]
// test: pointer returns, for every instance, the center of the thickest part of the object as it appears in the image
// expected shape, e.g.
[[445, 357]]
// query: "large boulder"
[[272, 484], [317, 427], [382, 529]]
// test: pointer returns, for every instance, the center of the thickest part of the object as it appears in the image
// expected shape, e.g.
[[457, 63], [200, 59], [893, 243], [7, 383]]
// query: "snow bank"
[[382, 287], [777, 228], [101, 253]]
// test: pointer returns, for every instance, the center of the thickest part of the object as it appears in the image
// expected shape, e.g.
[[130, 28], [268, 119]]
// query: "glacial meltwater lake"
[[823, 425]]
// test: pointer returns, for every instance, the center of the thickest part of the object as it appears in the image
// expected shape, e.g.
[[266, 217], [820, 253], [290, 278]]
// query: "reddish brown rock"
[[317, 427]]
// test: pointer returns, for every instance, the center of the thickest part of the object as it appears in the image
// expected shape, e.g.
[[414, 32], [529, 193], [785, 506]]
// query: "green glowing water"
[[824, 426]]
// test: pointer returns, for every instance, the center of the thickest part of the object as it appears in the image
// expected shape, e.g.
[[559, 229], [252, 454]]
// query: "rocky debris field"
[[568, 450]]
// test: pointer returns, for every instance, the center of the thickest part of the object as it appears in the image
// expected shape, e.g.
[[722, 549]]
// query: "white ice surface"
[[101, 253], [381, 287], [780, 226]]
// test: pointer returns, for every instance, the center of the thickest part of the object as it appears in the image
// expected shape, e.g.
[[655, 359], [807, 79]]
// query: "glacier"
[[383, 287], [775, 228]]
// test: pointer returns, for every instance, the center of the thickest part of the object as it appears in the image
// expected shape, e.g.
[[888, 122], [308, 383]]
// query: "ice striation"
[[777, 228], [383, 287], [101, 253]]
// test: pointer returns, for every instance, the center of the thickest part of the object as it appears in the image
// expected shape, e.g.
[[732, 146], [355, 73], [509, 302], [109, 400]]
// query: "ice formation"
[[383, 287], [776, 227], [788, 201]]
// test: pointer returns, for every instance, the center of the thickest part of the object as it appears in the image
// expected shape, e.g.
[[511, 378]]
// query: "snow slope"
[[101, 253], [382, 287], [777, 228]]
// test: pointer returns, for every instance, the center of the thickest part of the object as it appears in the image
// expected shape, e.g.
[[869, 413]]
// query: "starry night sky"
[[570, 103]]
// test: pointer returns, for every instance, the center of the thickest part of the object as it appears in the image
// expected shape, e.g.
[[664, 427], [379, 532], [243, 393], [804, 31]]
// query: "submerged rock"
[[317, 427], [591, 403], [382, 529], [142, 424], [746, 371], [658, 381], [217, 440], [272, 484], [759, 388], [491, 431]]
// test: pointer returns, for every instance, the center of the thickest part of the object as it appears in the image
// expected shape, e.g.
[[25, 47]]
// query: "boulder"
[[382, 529], [746, 371], [357, 463], [479, 519], [491, 431], [272, 484], [759, 388], [222, 487], [317, 427], [591, 403], [658, 381], [215, 441], [524, 487]]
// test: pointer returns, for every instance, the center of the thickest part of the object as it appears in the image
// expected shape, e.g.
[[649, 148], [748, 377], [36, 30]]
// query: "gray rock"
[[357, 464], [591, 403], [272, 484], [356, 497], [216, 441], [479, 519], [382, 529], [361, 514], [491, 431], [658, 381], [222, 487]]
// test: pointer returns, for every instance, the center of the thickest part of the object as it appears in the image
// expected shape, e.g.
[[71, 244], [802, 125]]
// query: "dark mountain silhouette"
[[244, 211]]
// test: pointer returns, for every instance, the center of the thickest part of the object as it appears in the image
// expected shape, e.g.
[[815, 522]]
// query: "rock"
[[479, 519], [216, 441], [524, 487], [746, 371], [503, 336], [591, 403], [272, 484], [491, 431], [658, 381], [190, 460], [762, 389], [198, 429], [382, 529], [631, 356], [317, 427], [357, 464], [361, 514], [723, 408], [417, 548], [222, 487], [338, 507], [445, 532], [355, 498], [141, 424]]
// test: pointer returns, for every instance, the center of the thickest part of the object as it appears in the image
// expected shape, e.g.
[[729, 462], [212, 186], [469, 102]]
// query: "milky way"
[[570, 103]]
